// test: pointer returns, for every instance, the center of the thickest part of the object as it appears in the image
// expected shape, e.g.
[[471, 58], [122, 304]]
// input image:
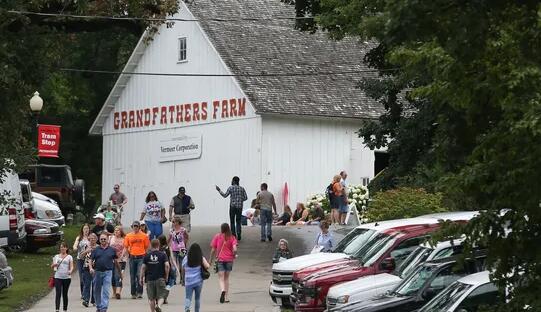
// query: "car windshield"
[[374, 248], [420, 254], [354, 240], [415, 281], [444, 300]]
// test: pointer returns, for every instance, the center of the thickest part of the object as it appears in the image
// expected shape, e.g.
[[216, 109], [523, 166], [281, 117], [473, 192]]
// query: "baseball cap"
[[181, 189], [142, 222], [99, 216], [136, 223]]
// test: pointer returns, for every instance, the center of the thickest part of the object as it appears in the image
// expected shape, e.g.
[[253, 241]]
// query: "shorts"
[[343, 206], [156, 289], [225, 266]]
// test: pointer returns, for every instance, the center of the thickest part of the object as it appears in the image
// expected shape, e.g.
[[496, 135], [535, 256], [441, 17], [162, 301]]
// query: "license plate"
[[279, 301]]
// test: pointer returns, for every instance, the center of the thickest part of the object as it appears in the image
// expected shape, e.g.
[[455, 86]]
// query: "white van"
[[12, 231]]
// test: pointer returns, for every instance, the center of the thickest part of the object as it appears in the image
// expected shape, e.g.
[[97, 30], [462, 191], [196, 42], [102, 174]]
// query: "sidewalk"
[[249, 281]]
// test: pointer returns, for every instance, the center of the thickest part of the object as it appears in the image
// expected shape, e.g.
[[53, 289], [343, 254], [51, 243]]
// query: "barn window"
[[182, 50]]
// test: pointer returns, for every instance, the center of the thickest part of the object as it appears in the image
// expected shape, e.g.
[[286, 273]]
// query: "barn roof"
[[275, 47]]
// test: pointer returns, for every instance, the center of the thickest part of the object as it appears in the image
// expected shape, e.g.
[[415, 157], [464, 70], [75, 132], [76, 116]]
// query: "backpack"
[[329, 192]]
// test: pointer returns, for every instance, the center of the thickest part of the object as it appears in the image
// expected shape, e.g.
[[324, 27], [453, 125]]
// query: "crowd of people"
[[158, 260]]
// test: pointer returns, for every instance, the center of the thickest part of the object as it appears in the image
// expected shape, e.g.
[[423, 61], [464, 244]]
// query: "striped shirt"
[[238, 195]]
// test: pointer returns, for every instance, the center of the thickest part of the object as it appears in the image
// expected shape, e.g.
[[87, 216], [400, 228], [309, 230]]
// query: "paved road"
[[249, 280]]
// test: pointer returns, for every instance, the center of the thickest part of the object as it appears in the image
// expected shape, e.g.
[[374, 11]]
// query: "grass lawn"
[[31, 272]]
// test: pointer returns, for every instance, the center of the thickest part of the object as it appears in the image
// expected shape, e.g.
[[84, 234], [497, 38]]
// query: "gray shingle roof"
[[276, 47]]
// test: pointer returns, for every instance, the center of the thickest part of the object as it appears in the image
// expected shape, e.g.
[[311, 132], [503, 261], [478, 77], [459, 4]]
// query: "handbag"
[[50, 282], [204, 273]]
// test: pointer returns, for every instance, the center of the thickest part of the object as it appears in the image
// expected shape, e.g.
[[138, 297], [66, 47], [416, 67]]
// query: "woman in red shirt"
[[224, 246]]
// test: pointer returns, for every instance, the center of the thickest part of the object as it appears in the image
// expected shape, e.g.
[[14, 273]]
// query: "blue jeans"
[[172, 277], [155, 228], [189, 290], [102, 288], [135, 270], [88, 282], [117, 280], [266, 223], [80, 264]]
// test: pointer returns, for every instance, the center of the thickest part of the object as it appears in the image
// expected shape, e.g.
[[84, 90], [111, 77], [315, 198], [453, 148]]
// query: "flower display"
[[357, 195]]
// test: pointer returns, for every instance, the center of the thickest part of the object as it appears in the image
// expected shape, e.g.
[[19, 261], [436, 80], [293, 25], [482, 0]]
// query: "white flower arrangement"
[[359, 195]]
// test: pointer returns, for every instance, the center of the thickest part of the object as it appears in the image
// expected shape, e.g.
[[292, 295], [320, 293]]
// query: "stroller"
[[111, 212]]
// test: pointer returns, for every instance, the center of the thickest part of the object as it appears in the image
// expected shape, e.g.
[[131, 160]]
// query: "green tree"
[[463, 114], [34, 48]]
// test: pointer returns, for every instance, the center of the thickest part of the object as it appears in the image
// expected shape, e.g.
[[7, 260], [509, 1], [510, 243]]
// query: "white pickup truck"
[[369, 286], [280, 287]]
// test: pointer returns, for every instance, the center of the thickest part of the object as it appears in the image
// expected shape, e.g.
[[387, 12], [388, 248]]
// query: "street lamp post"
[[36, 104]]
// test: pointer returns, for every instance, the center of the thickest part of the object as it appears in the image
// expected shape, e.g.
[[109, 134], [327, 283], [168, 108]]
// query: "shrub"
[[403, 202]]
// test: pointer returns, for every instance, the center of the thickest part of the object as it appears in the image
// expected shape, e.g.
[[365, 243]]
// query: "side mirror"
[[429, 293], [388, 264]]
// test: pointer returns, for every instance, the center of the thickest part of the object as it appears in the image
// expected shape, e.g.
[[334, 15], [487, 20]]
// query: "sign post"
[[48, 141]]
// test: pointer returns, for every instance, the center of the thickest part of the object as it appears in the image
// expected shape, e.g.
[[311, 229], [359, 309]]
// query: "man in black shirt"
[[102, 227], [155, 272]]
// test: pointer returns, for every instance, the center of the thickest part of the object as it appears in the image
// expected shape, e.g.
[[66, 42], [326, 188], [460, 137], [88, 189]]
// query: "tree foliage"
[[403, 202], [463, 113], [33, 49]]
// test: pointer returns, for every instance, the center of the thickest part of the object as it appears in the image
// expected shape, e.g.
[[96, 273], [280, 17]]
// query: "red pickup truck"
[[381, 255]]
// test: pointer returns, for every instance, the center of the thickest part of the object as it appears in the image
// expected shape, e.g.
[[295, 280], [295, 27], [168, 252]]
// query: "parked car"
[[465, 295], [12, 231], [37, 206], [429, 279], [42, 234], [280, 287], [56, 182], [366, 287], [6, 273]]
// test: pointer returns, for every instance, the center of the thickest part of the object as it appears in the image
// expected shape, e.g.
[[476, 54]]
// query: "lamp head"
[[36, 103]]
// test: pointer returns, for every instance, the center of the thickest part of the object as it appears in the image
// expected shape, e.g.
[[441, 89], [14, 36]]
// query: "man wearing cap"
[[102, 227], [181, 205], [136, 244], [104, 260]]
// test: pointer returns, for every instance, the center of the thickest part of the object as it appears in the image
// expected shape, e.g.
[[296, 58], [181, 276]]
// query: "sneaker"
[[140, 296], [168, 287], [117, 296], [263, 240], [158, 309], [85, 304], [133, 296], [270, 238]]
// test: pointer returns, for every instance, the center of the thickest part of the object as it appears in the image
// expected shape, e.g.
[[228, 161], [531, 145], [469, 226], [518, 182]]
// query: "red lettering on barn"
[[131, 123], [139, 122], [216, 105], [155, 112], [225, 114], [163, 118], [147, 117], [187, 109], [195, 107], [204, 111], [233, 107], [124, 122], [116, 120], [242, 107], [172, 114], [179, 114]]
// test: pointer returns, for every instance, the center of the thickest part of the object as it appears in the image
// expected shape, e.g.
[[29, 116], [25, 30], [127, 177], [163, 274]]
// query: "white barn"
[[162, 132]]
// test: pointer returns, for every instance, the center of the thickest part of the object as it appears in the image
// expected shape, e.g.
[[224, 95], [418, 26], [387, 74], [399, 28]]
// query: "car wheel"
[[31, 248], [80, 192]]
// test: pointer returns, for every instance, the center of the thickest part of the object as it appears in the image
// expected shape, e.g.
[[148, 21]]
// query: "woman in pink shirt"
[[224, 246]]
